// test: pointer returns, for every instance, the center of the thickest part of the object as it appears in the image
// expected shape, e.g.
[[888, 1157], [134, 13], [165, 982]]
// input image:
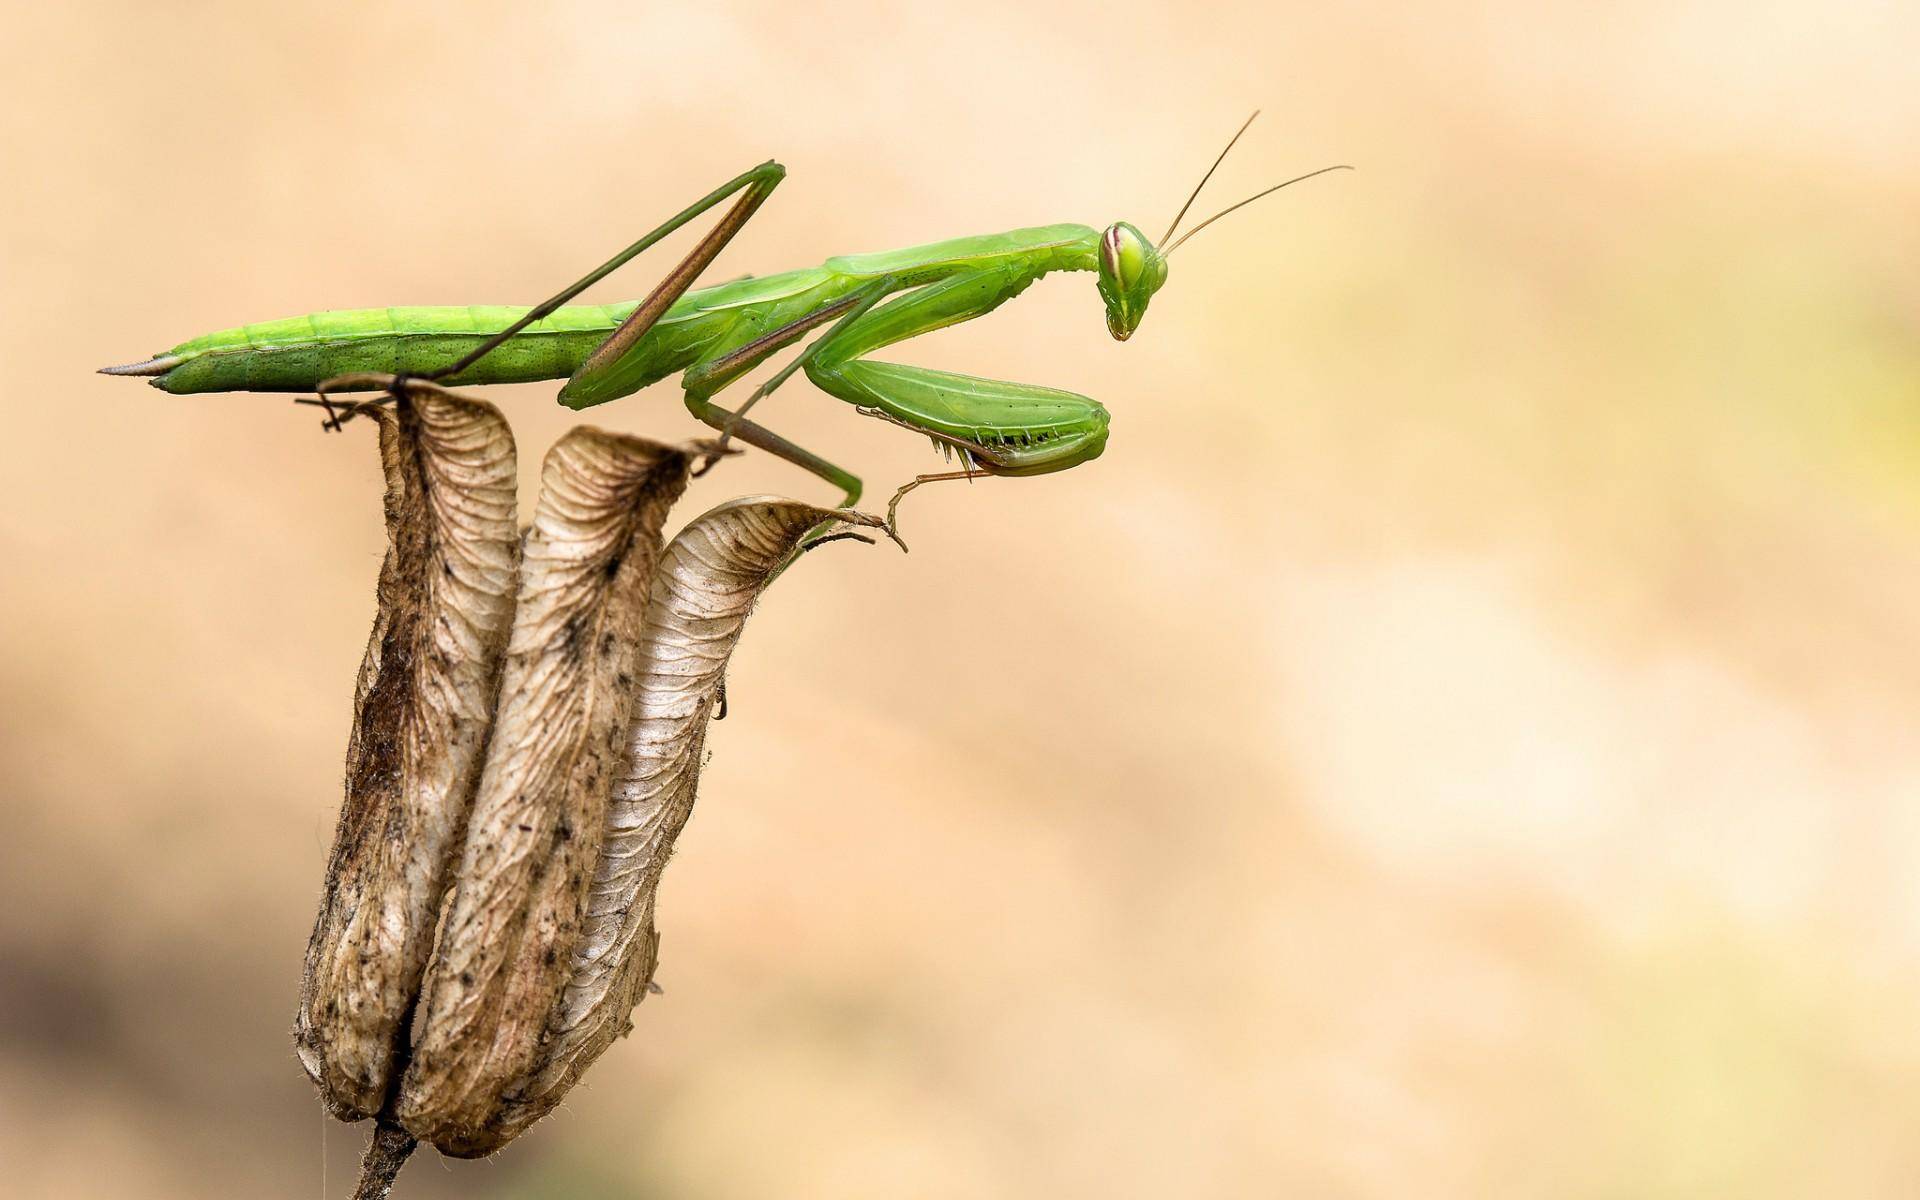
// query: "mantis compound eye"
[[1123, 255]]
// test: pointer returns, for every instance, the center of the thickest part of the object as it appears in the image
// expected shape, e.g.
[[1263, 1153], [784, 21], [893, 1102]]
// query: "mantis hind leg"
[[391, 387], [607, 372]]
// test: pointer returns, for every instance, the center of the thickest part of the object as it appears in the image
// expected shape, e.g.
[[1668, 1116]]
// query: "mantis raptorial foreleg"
[[971, 414]]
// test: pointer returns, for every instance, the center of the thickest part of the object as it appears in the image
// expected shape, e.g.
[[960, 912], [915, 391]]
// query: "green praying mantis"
[[713, 336]]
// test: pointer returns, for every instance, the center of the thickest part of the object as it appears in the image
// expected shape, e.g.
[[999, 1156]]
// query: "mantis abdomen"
[[291, 355], [297, 354]]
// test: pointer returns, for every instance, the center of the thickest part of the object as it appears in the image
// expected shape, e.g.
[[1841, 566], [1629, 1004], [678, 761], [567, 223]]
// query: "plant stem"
[[386, 1153]]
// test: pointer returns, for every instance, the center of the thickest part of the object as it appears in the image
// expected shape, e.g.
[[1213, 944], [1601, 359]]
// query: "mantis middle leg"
[[999, 428], [703, 380]]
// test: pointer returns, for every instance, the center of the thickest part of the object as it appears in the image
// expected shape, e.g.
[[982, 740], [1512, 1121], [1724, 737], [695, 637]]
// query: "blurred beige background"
[[1459, 742]]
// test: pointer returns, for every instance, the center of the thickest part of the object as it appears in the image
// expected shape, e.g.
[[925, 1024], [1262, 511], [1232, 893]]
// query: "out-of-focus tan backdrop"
[[1458, 742]]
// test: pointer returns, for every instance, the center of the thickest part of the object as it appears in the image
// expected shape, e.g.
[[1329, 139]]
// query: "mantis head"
[[1132, 269]]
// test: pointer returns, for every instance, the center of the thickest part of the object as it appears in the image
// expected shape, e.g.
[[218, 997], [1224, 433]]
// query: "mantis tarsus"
[[714, 335]]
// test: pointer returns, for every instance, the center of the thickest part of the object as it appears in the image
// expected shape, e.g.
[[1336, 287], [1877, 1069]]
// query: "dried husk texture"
[[707, 583], [515, 915], [422, 707]]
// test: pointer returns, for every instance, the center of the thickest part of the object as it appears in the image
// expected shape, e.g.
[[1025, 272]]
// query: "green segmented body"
[[713, 336], [297, 354]]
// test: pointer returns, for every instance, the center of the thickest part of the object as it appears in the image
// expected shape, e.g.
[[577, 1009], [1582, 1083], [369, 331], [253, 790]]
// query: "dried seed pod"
[[422, 706], [707, 583], [514, 916]]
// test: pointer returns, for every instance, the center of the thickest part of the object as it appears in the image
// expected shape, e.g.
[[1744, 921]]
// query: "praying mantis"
[[713, 336]]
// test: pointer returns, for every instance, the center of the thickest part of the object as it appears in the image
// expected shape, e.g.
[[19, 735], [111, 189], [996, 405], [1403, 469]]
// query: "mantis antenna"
[[1209, 175], [1249, 200]]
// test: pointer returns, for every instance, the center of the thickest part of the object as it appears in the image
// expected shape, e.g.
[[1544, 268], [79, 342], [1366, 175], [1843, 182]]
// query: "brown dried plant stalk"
[[515, 910], [707, 583], [487, 927], [422, 708]]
